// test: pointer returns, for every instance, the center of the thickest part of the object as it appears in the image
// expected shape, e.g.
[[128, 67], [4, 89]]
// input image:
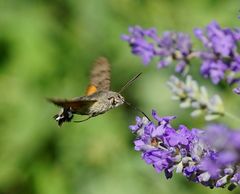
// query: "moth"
[[98, 99]]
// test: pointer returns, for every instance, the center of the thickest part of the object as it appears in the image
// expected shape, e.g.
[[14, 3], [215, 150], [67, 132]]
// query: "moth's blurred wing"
[[100, 76], [74, 104]]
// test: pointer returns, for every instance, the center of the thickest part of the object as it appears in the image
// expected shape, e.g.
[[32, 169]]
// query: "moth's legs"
[[82, 120]]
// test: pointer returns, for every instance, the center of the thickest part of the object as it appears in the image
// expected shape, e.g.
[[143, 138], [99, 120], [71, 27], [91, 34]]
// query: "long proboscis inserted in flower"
[[137, 109]]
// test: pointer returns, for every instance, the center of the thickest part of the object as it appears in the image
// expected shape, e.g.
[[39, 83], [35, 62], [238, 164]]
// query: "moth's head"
[[115, 99], [65, 115]]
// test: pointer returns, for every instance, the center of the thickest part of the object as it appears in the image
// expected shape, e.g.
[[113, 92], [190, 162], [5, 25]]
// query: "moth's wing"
[[100, 76], [74, 103]]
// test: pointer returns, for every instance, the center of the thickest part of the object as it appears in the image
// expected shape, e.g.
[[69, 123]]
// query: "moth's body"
[[98, 100], [102, 102]]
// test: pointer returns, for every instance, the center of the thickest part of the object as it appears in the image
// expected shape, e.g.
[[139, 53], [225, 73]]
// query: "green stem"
[[230, 115]]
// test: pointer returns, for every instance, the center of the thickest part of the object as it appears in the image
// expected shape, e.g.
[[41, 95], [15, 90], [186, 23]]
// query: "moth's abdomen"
[[65, 115], [99, 107]]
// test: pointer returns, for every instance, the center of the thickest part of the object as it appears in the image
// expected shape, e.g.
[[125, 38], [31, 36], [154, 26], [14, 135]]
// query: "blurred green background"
[[46, 50]]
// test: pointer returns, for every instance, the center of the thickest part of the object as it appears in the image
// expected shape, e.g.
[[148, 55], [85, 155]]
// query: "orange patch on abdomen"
[[91, 90]]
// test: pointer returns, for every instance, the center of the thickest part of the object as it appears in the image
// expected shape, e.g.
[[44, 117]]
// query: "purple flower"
[[220, 60], [140, 46], [213, 162], [171, 46], [237, 90], [214, 69], [174, 46], [216, 39]]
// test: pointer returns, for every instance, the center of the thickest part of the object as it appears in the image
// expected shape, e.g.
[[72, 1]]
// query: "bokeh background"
[[46, 50]]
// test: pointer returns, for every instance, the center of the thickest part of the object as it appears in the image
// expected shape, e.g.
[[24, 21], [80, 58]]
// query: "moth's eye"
[[112, 101]]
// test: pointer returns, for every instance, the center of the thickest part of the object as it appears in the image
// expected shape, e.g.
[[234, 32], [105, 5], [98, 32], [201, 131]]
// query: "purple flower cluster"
[[213, 162], [142, 42], [170, 47], [221, 59]]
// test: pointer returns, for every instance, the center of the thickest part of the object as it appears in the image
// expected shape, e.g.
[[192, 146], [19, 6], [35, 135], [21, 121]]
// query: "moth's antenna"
[[137, 109], [127, 85], [129, 82]]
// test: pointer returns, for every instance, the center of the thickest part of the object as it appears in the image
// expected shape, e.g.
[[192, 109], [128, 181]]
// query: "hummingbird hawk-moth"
[[98, 99]]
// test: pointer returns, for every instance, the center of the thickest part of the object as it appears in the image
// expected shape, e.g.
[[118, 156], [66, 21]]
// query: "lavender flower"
[[237, 90], [139, 43], [174, 46], [170, 47], [221, 59], [192, 95], [213, 162]]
